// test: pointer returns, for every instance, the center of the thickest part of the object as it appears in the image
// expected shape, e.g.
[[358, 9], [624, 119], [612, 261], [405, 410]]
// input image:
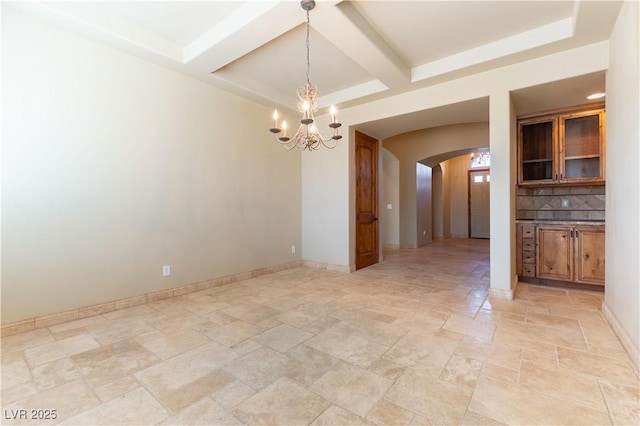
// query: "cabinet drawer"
[[529, 270], [528, 244], [528, 232], [528, 257]]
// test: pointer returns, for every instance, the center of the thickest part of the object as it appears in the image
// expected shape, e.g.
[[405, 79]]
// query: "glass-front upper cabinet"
[[583, 147], [537, 150], [561, 147]]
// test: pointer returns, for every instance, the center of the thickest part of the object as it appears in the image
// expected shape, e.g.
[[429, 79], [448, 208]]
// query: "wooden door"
[[554, 253], [589, 254], [479, 183], [366, 159]]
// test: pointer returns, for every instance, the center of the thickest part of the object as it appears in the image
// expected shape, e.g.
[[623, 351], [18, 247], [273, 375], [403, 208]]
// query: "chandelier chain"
[[308, 60]]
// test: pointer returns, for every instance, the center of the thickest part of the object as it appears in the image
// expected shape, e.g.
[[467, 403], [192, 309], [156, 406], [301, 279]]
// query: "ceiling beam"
[[347, 30]]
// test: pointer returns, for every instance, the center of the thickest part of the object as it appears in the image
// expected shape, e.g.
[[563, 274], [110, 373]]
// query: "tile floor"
[[413, 340]]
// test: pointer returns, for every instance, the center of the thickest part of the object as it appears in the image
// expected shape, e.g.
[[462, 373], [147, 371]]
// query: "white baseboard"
[[627, 343]]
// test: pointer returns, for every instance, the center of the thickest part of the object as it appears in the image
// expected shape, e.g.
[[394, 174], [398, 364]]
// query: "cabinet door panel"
[[537, 139], [589, 255], [554, 253], [582, 147]]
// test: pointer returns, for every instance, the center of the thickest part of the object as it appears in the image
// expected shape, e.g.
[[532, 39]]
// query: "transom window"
[[480, 160]]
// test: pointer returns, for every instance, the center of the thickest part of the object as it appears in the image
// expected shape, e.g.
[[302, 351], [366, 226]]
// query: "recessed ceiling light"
[[596, 95]]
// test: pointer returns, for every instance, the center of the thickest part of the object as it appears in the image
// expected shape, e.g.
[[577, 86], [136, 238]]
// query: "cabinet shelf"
[[582, 157], [541, 160]]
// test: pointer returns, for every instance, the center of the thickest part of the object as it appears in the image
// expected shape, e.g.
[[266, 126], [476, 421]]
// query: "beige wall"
[[113, 167], [389, 194], [622, 291], [458, 168], [423, 204], [437, 203], [446, 202]]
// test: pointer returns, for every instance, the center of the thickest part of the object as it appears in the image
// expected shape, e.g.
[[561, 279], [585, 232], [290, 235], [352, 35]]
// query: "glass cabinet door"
[[582, 136], [537, 139]]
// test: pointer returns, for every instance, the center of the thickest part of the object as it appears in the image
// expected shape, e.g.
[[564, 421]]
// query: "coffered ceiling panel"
[[428, 30]]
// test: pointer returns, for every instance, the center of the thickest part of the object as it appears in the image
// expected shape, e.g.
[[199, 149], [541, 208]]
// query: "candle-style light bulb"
[[275, 118], [305, 106], [284, 127], [333, 113]]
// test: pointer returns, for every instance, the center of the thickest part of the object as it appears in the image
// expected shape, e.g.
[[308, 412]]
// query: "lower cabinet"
[[589, 254], [562, 252]]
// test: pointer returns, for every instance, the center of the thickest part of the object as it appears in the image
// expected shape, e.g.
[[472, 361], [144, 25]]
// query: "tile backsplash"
[[561, 203]]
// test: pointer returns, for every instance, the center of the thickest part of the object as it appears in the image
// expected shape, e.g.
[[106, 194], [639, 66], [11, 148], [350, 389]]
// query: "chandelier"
[[307, 136]]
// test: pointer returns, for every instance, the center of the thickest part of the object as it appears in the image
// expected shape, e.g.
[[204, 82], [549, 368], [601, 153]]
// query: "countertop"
[[561, 222]]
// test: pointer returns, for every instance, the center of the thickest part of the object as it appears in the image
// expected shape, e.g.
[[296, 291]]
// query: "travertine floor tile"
[[43, 354], [233, 333], [109, 363], [353, 388], [165, 346], [251, 312], [388, 413], [486, 350], [56, 373], [204, 412], [537, 337], [437, 401], [623, 403], [474, 419], [344, 343], [14, 374], [284, 402], [511, 404], [337, 416], [462, 371], [563, 384], [184, 379], [282, 338], [611, 370], [388, 369], [68, 400], [134, 408], [232, 394], [177, 323], [471, 327], [261, 367], [429, 352]]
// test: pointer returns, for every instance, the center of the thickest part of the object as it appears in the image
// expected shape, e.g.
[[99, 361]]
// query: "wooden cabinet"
[[562, 147], [571, 253]]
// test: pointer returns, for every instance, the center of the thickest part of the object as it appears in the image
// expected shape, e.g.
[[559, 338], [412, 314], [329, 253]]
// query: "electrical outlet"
[[293, 249], [389, 206], [565, 202], [166, 270]]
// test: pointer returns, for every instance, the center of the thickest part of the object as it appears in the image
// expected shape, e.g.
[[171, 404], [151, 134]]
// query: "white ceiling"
[[360, 50]]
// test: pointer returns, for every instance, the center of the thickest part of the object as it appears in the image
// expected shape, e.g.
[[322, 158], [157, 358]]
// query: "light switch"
[[389, 207], [565, 202]]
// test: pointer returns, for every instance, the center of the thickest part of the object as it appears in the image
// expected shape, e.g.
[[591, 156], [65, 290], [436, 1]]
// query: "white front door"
[[479, 182]]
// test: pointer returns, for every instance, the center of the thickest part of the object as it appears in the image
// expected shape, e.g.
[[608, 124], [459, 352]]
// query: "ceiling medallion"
[[307, 136]]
